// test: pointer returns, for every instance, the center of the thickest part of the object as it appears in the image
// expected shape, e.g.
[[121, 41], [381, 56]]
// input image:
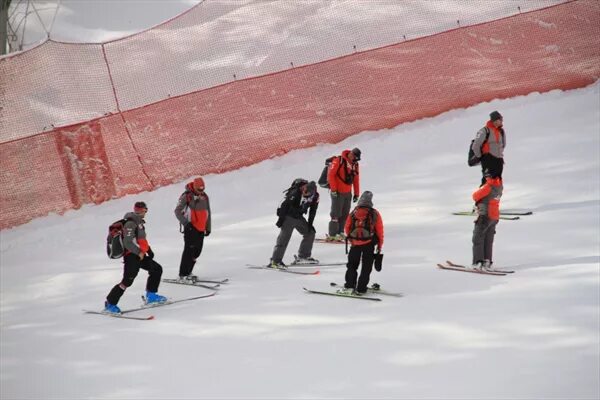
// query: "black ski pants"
[[193, 242], [132, 265], [491, 164], [366, 253]]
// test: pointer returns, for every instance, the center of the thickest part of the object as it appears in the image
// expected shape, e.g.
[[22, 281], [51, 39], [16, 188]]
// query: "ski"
[[319, 264], [149, 317], [168, 302], [470, 214], [289, 271], [475, 271], [372, 289], [504, 271], [350, 296], [194, 283], [219, 281], [502, 212], [323, 240]]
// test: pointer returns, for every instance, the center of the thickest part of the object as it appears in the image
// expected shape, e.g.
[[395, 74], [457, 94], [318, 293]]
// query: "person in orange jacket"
[[343, 176], [364, 230], [193, 213], [487, 203]]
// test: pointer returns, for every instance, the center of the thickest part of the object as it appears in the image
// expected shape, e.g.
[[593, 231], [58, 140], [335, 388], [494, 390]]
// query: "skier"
[[487, 203], [364, 230], [194, 215], [343, 176], [138, 254], [300, 198], [491, 150]]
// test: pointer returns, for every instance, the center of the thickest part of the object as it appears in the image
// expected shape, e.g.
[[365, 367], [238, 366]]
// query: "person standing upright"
[[364, 230], [343, 177], [489, 145], [194, 215], [138, 254], [487, 203]]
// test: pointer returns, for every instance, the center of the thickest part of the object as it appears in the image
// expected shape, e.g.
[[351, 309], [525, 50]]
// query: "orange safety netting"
[[110, 152]]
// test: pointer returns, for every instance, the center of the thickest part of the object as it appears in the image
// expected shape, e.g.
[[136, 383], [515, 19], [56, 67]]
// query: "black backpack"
[[472, 160], [114, 241], [324, 183], [295, 185]]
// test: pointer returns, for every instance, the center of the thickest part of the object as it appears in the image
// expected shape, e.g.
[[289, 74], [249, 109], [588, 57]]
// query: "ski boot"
[[277, 265], [111, 308], [155, 298], [304, 260]]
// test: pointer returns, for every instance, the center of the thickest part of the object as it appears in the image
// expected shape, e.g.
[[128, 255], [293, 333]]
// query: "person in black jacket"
[[300, 198]]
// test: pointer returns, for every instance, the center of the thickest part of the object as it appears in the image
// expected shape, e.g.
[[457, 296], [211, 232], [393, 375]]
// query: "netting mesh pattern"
[[54, 84], [243, 122]]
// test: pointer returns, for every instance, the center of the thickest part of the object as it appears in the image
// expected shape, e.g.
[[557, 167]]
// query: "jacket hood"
[[366, 199], [345, 155]]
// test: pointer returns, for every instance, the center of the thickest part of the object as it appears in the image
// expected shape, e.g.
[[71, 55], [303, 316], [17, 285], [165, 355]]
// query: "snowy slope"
[[454, 335]]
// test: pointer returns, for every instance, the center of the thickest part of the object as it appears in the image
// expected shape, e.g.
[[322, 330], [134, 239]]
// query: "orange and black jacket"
[[343, 175], [378, 227], [194, 208], [487, 198]]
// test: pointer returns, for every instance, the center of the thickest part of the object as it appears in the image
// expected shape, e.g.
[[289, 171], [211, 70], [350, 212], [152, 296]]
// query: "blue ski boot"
[[111, 308], [155, 298]]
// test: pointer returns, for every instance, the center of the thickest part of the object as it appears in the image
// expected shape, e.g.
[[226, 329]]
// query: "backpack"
[[114, 241], [324, 183], [362, 226], [472, 160], [295, 185]]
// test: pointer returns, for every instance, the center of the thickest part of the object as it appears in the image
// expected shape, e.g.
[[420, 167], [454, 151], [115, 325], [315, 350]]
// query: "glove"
[[206, 233], [378, 261], [279, 222], [355, 199], [311, 229], [150, 254], [334, 194]]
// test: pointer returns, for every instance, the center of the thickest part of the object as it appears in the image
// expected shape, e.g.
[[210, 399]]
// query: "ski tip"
[[317, 272]]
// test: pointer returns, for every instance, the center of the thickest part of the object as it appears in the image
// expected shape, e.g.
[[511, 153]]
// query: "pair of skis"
[[374, 289], [290, 269], [207, 284], [504, 214], [198, 283], [330, 241], [457, 267], [124, 313]]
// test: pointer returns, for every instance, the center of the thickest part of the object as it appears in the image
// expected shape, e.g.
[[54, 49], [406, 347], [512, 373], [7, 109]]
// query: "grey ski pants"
[[483, 238], [340, 208], [308, 238]]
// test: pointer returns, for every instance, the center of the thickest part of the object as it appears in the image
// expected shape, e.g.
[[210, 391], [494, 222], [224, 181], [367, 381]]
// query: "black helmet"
[[356, 151], [311, 188]]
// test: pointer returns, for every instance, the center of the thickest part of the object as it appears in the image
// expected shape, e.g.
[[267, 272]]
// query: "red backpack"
[[362, 225]]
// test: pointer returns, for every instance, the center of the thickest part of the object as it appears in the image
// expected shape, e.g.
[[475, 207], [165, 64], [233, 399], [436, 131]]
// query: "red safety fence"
[[243, 122]]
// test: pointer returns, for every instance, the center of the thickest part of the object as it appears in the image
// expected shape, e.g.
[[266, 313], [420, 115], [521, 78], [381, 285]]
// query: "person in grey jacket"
[[138, 254], [194, 215], [489, 145]]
